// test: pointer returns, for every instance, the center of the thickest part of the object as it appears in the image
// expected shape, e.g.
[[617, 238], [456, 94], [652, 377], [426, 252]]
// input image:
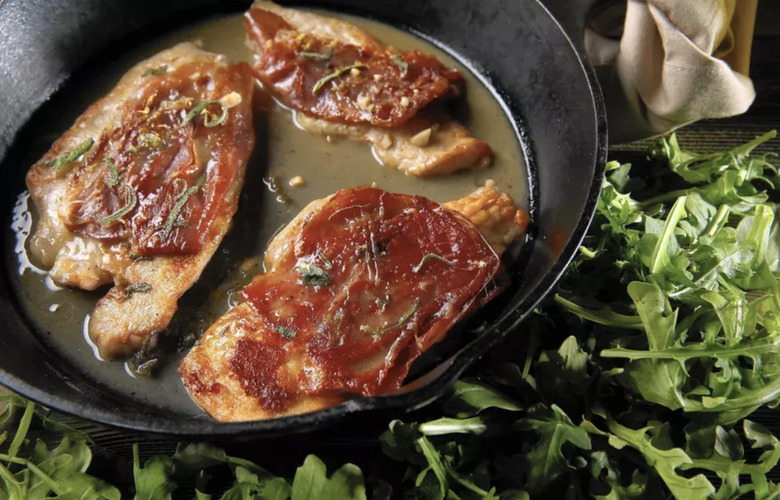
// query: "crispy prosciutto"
[[342, 82], [358, 285], [141, 189]]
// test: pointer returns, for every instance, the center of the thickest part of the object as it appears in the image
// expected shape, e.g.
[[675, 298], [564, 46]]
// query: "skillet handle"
[[572, 15]]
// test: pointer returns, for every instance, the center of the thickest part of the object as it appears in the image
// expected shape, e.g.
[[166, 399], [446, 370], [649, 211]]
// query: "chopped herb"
[[316, 55], [113, 178], [74, 155], [340, 71], [122, 211], [285, 331], [150, 140], [312, 274], [325, 262], [416, 269], [401, 64], [130, 290], [160, 70], [201, 108], [79, 150], [181, 199], [401, 321]]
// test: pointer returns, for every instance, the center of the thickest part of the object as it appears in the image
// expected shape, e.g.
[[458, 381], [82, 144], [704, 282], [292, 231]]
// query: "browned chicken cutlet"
[[381, 100], [140, 191], [356, 287]]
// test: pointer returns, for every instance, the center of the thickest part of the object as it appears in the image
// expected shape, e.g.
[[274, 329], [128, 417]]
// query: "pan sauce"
[[282, 150]]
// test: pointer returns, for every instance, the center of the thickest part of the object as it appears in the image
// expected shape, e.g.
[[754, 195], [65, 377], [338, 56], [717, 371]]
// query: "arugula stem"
[[434, 462], [602, 316], [35, 469], [530, 356], [587, 252], [754, 398], [453, 426], [466, 484], [21, 432], [715, 464], [716, 224], [693, 351], [7, 476], [659, 252], [436, 465], [776, 294], [663, 198]]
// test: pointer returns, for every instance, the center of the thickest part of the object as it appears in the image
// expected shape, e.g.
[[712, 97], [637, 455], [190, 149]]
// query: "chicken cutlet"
[[140, 191], [356, 287], [342, 82]]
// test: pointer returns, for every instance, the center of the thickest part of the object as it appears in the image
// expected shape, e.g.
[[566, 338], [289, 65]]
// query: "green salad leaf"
[[545, 461], [29, 469], [471, 396], [700, 264], [153, 479], [311, 480]]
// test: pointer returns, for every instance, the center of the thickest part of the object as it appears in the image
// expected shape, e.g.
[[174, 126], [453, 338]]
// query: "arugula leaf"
[[311, 481], [471, 396], [21, 432], [604, 470], [34, 471], [698, 168], [603, 316], [702, 279], [249, 487], [438, 476], [544, 461], [152, 481], [192, 457], [63, 472], [657, 380], [399, 442], [664, 460]]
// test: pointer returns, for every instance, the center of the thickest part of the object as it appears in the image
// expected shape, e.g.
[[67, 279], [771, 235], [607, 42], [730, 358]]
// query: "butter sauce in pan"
[[282, 152]]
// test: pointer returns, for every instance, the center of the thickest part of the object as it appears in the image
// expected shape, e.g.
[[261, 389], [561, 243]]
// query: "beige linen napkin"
[[666, 63]]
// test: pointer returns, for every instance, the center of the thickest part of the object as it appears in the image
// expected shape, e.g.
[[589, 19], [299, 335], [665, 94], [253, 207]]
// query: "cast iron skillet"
[[517, 47]]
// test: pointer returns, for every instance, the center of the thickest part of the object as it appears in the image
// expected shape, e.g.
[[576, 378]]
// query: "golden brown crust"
[[86, 249], [209, 371], [419, 147], [494, 213]]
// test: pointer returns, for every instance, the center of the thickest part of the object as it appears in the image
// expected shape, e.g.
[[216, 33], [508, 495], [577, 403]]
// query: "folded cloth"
[[672, 63]]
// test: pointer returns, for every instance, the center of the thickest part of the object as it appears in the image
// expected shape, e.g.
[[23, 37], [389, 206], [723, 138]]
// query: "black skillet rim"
[[409, 400]]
